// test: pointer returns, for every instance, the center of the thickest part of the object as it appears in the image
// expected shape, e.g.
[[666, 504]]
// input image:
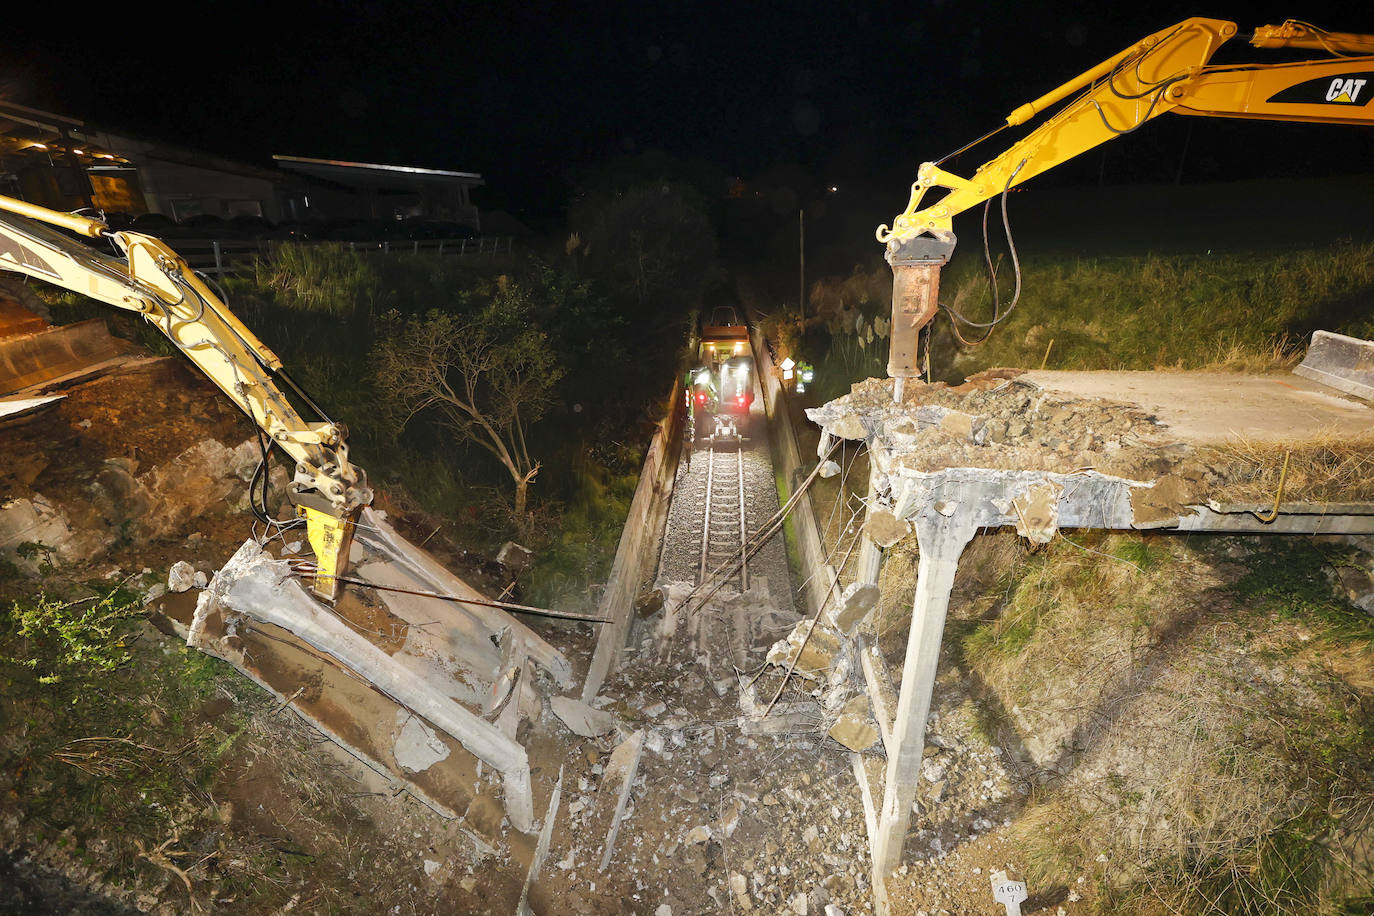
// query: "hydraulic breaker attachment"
[[916, 267], [331, 535]]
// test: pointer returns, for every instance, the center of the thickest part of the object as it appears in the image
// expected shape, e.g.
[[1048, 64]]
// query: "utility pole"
[[801, 259]]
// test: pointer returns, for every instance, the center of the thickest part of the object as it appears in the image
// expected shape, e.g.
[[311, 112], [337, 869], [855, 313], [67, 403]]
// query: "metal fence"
[[220, 256]]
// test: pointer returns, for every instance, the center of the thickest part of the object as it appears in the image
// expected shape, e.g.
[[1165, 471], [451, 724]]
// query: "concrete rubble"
[[855, 728], [581, 719], [181, 577], [809, 650]]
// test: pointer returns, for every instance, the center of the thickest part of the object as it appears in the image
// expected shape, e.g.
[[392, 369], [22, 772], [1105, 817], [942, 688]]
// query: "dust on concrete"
[[1000, 419]]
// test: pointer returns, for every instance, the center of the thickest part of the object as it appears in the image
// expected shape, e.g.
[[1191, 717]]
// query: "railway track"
[[724, 527]]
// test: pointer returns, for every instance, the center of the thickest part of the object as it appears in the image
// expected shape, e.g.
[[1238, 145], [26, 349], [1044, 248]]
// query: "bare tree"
[[486, 376]]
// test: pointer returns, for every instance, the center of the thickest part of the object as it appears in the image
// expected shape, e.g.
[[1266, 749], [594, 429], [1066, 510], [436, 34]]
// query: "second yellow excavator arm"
[[1168, 71], [153, 280]]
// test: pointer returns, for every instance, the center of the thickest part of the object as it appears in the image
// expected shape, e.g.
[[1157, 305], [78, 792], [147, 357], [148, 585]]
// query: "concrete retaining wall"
[[788, 458], [636, 559]]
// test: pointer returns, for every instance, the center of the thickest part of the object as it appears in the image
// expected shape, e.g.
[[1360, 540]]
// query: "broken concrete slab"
[[1211, 407], [181, 577], [541, 848], [253, 587], [36, 521], [417, 747], [513, 556], [581, 719], [1037, 512], [857, 600], [698, 835], [12, 408], [382, 556], [622, 768], [739, 890], [885, 528], [855, 728], [809, 650], [794, 718]]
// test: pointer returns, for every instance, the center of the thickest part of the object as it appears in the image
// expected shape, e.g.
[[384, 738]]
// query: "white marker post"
[[1008, 893]]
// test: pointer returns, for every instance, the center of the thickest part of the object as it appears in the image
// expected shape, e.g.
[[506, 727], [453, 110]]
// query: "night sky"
[[533, 94]]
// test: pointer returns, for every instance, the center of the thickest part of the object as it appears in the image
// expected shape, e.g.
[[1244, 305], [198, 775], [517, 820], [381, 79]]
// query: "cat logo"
[[15, 252], [1345, 90]]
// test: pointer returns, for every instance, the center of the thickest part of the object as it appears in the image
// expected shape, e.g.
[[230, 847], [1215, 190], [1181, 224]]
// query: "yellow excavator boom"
[[1168, 71], [154, 281]]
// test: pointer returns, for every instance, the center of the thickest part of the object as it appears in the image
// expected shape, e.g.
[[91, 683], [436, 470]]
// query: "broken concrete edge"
[[635, 556], [267, 592], [854, 728], [581, 718], [881, 692], [373, 527], [15, 406]]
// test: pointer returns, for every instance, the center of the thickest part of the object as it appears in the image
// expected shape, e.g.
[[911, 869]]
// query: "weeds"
[[1328, 467], [1287, 577], [88, 635], [589, 531]]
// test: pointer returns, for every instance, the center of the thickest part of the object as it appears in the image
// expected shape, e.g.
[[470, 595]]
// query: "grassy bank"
[[1227, 310], [1196, 717]]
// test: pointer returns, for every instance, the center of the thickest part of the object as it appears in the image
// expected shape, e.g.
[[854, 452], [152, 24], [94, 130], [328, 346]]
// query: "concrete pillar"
[[942, 540]]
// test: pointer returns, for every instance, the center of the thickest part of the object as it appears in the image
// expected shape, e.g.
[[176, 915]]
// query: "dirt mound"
[[142, 453]]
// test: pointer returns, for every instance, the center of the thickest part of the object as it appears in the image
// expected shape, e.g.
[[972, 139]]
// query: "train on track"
[[719, 389]]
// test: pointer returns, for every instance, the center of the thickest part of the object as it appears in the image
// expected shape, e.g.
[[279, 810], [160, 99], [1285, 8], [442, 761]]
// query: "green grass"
[[586, 533], [1235, 310], [1287, 577], [1296, 721], [1181, 311]]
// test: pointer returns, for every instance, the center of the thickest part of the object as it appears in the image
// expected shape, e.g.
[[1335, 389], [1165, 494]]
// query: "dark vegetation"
[[136, 771], [572, 344]]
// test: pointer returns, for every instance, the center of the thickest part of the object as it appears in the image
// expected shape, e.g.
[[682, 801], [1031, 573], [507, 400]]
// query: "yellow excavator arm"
[[153, 280], [1164, 72]]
